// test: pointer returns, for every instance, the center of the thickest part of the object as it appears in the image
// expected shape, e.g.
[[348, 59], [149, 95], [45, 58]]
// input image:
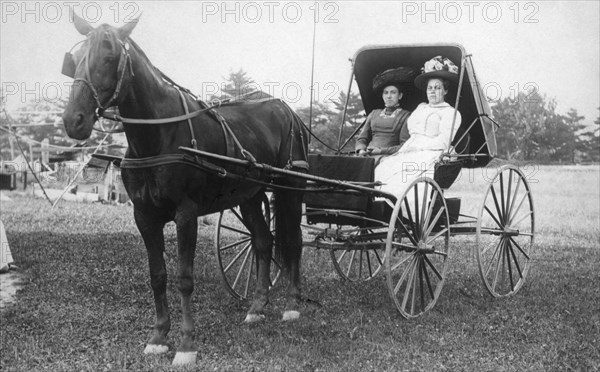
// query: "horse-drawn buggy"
[[186, 158], [407, 236]]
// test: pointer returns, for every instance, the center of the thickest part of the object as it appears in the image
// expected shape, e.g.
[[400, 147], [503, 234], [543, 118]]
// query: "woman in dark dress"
[[385, 129]]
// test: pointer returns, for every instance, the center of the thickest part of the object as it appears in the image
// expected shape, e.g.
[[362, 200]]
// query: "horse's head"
[[101, 69]]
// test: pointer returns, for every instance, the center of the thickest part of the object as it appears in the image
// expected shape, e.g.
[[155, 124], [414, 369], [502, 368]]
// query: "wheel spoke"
[[242, 267], [411, 220], [427, 219], [352, 256], [237, 257], [502, 197], [514, 257], [490, 246], [433, 223], [379, 260], [237, 214], [401, 262], [231, 228], [428, 282], [512, 285], [498, 248], [500, 259], [424, 206], [436, 272], [368, 258], [494, 217], [231, 245], [360, 264], [519, 248], [500, 216], [421, 292], [404, 273], [339, 260], [516, 210], [408, 234], [510, 210], [417, 214], [249, 276], [522, 218], [414, 287], [409, 281], [440, 233]]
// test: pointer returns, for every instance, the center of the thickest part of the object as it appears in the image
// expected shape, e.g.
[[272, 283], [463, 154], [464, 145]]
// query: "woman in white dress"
[[430, 127]]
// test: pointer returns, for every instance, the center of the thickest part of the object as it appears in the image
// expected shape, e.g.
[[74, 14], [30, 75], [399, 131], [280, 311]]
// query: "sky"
[[550, 46]]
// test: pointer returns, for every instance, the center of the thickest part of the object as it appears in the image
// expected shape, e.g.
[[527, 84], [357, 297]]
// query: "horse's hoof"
[[290, 315], [253, 318], [156, 349], [185, 357]]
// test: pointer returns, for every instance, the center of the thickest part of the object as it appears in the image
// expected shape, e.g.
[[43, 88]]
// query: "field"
[[86, 304]]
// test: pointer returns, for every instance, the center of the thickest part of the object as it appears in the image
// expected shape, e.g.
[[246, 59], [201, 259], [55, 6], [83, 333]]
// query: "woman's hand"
[[361, 152], [374, 151]]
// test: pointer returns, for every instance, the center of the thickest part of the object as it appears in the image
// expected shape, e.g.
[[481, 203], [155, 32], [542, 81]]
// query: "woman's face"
[[435, 91], [391, 96]]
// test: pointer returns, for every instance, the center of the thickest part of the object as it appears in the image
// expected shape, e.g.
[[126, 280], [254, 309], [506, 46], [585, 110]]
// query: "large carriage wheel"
[[235, 255], [357, 265], [416, 255], [505, 231]]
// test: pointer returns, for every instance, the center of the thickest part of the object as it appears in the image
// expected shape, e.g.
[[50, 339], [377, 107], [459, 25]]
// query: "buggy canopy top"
[[472, 104]]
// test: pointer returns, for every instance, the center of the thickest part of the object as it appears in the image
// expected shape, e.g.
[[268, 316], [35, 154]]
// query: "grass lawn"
[[86, 303]]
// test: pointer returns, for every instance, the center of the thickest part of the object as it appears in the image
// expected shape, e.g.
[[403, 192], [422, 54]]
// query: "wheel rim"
[[417, 248], [505, 233], [358, 265], [236, 258]]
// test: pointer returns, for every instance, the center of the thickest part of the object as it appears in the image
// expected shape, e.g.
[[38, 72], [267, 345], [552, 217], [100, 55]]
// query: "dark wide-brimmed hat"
[[401, 77], [437, 67]]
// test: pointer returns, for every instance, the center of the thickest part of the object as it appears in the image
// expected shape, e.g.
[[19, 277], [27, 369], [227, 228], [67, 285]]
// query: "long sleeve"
[[365, 136]]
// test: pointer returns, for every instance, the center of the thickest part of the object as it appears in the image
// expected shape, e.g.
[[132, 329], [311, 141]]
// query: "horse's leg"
[[151, 230], [262, 243], [288, 236], [186, 219]]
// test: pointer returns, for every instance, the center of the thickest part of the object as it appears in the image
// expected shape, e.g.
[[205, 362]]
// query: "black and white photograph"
[[300, 185]]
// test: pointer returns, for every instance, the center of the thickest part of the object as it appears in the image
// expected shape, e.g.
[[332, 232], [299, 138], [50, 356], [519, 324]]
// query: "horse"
[[164, 185]]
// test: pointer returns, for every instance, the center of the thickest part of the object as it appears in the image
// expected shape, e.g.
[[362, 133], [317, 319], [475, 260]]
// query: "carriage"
[[368, 231]]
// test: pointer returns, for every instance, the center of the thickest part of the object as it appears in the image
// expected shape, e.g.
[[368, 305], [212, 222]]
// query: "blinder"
[[68, 66]]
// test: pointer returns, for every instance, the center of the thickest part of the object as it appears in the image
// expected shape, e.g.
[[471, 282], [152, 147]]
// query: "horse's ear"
[[81, 24], [125, 30]]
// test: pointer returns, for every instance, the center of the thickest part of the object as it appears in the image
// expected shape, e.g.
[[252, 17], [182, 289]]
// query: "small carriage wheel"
[[416, 254], [505, 232], [358, 265], [235, 254]]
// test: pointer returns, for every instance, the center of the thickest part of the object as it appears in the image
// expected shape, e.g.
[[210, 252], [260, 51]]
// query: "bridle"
[[124, 65]]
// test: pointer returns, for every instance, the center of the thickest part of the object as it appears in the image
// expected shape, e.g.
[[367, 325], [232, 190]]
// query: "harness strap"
[[189, 120], [245, 153]]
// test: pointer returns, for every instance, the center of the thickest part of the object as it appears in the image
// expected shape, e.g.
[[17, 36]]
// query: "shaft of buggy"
[[340, 184]]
